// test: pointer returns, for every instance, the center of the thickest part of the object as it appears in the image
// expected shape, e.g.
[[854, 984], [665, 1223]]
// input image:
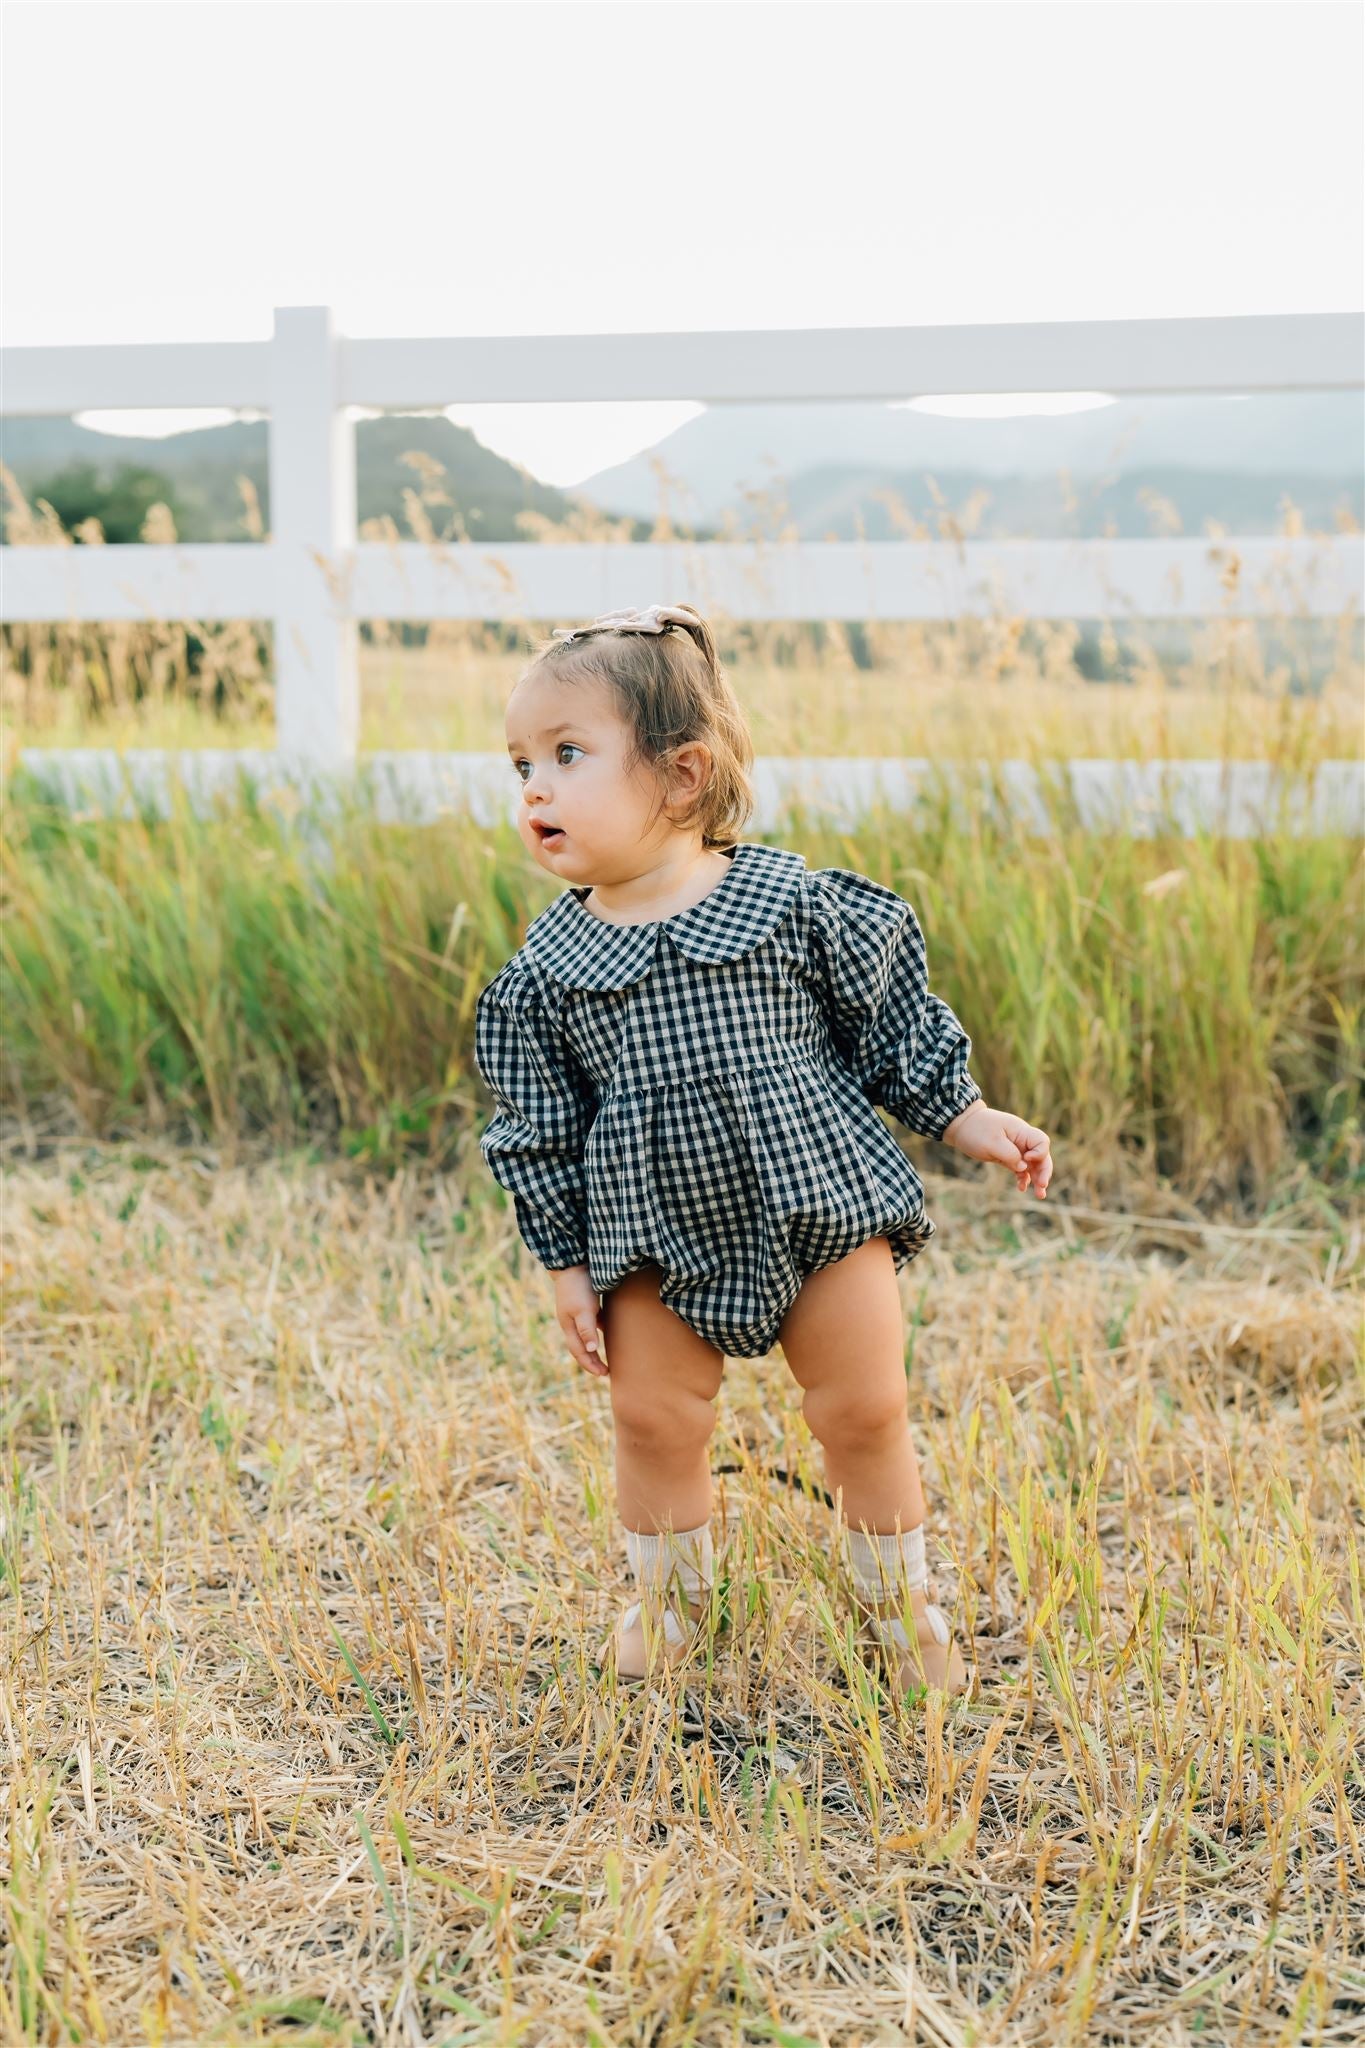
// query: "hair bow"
[[657, 618]]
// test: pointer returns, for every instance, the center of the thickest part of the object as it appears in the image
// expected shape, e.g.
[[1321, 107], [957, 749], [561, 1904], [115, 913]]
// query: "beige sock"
[[671, 1557], [882, 1561]]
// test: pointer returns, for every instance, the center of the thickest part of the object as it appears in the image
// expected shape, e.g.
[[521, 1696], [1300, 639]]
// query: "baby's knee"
[[655, 1419], [854, 1419]]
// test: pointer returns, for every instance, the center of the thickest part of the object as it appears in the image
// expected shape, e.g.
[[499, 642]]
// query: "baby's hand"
[[994, 1134], [576, 1312]]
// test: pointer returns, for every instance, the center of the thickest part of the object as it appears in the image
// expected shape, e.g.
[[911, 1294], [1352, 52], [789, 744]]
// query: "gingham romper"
[[698, 1092]]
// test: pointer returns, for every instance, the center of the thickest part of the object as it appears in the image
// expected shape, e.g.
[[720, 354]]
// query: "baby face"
[[583, 815]]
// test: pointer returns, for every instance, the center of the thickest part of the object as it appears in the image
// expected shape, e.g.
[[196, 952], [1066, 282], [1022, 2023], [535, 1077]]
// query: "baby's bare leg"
[[664, 1379], [842, 1338]]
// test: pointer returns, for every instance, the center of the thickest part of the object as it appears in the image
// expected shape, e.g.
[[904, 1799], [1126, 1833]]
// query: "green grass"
[[1185, 1010]]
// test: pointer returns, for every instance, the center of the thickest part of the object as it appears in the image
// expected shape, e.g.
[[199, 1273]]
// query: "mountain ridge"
[[714, 456], [845, 461]]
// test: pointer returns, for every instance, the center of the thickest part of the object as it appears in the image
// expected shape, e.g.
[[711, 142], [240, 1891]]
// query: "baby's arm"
[[534, 1145], [907, 1047]]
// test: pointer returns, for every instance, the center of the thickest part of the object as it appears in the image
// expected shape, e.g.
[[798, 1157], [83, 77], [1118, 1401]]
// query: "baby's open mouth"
[[550, 835]]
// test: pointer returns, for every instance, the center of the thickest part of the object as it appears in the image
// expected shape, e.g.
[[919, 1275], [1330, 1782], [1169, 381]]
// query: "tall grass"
[[1188, 1009]]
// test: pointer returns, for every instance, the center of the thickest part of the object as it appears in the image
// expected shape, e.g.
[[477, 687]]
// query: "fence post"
[[313, 536]]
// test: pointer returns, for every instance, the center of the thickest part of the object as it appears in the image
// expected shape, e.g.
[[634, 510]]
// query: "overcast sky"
[[175, 171]]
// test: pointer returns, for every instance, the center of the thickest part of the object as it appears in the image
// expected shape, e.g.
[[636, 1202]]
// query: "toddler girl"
[[685, 1055]]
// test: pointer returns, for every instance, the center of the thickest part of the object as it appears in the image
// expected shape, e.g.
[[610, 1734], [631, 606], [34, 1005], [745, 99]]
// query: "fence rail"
[[795, 580], [1231, 353], [314, 581]]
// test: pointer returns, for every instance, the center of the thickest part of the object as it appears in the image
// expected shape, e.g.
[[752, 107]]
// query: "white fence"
[[313, 580], [1235, 799]]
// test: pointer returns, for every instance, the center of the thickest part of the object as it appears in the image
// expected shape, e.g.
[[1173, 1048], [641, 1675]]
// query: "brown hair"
[[669, 689]]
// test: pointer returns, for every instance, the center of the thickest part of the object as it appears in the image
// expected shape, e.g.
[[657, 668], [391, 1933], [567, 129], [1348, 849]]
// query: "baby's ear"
[[692, 766]]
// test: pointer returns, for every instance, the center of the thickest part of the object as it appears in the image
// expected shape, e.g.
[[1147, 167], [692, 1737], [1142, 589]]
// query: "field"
[[310, 1551], [309, 1542]]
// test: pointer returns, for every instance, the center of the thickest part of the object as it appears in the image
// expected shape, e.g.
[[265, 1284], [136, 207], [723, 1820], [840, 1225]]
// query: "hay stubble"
[[310, 1545]]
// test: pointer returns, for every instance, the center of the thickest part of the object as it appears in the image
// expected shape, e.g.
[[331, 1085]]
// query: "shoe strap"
[[892, 1629], [674, 1632]]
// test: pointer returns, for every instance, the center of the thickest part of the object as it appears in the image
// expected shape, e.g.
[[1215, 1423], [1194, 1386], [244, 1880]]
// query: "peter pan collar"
[[583, 951]]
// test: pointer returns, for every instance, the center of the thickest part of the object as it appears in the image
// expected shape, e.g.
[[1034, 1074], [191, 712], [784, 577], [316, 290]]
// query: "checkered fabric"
[[699, 1093]]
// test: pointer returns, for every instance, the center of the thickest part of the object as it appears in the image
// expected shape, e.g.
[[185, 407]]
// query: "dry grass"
[[936, 693], [310, 1543]]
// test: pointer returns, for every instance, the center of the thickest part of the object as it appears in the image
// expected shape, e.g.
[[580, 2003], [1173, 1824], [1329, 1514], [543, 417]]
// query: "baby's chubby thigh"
[[843, 1339]]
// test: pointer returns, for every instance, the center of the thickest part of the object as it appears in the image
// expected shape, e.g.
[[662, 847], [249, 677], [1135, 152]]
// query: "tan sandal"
[[629, 1648], [931, 1657]]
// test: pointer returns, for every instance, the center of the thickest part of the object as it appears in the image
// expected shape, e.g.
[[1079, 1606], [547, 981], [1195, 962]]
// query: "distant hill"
[[841, 503], [830, 466], [203, 467], [842, 453]]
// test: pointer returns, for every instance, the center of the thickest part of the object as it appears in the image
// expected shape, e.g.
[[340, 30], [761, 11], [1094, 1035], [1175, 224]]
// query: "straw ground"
[[309, 1542]]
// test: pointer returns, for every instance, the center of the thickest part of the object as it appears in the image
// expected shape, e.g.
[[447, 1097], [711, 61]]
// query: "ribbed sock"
[[881, 1561], [674, 1556]]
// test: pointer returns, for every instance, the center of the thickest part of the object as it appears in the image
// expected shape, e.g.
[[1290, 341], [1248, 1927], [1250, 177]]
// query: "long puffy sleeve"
[[533, 1144], [905, 1046]]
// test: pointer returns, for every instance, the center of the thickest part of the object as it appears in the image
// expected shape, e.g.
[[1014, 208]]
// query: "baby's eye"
[[565, 746]]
